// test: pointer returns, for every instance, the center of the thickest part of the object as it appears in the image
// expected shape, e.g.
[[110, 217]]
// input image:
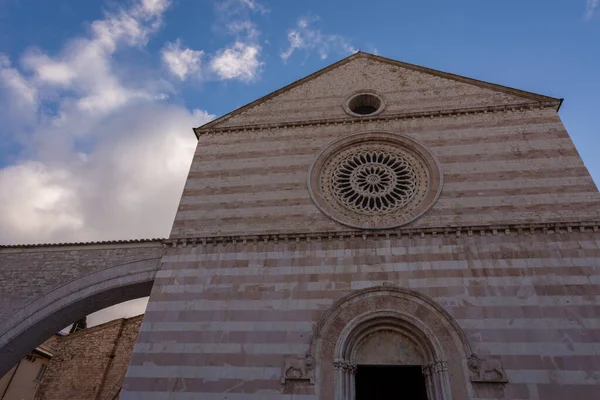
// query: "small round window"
[[364, 104]]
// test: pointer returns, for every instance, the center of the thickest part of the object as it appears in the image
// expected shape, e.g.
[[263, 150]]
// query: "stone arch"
[[51, 312], [434, 338]]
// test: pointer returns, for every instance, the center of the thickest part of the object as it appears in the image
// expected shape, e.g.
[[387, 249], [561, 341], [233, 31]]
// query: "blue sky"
[[98, 98]]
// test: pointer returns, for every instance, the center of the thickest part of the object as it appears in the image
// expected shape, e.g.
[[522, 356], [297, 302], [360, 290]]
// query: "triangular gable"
[[407, 88]]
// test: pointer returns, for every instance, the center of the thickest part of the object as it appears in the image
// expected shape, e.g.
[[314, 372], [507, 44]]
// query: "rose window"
[[375, 180]]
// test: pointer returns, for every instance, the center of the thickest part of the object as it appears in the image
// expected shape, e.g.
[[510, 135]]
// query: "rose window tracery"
[[375, 180]]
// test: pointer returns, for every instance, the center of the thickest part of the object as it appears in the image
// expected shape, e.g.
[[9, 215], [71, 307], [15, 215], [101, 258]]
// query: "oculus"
[[364, 104], [375, 180]]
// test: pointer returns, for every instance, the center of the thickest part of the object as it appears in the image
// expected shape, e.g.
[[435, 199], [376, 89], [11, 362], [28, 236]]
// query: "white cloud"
[[304, 37], [244, 29], [181, 62], [101, 149], [255, 6], [240, 61], [590, 8], [236, 7], [18, 97]]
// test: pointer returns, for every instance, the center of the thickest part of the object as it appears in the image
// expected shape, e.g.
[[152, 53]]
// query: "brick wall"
[[90, 364]]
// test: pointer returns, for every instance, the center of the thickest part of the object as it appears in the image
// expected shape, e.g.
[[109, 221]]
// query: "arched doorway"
[[390, 333]]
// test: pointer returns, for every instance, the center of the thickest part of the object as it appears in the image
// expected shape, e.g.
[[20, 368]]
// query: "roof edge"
[[65, 244], [280, 90], [414, 67]]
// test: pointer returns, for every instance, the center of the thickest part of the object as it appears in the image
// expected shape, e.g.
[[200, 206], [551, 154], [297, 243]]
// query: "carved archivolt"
[[416, 331], [375, 180]]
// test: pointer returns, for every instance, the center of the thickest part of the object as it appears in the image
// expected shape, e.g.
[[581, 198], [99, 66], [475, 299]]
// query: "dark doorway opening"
[[389, 382]]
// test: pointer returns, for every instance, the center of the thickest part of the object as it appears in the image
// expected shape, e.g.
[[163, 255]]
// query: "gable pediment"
[[405, 88]]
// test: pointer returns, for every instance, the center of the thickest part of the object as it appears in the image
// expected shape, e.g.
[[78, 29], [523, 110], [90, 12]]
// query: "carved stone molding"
[[456, 231], [382, 117]]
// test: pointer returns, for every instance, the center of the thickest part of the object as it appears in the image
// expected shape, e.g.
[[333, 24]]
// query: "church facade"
[[377, 229], [374, 230]]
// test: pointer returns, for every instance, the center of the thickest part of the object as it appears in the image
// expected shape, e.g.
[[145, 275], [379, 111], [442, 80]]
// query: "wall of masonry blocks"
[[222, 318], [90, 364], [499, 167], [45, 288]]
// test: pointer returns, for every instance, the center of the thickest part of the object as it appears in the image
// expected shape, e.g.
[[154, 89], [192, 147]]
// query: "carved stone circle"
[[375, 180]]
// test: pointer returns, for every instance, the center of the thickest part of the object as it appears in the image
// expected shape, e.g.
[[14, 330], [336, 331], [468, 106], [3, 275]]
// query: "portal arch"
[[392, 315]]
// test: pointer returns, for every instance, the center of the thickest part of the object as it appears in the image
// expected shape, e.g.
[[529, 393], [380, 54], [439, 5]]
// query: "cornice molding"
[[454, 231], [386, 117], [457, 231]]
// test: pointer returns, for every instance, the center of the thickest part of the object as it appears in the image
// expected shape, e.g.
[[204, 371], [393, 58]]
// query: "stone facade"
[[263, 295], [90, 364]]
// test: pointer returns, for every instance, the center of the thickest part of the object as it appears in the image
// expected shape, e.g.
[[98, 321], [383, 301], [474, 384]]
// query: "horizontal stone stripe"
[[222, 348], [471, 293], [235, 315], [444, 206], [226, 326], [393, 255], [201, 336], [191, 360], [261, 223], [208, 373], [141, 385], [567, 391], [499, 150], [473, 180], [300, 303], [576, 335], [445, 202], [219, 167], [547, 349], [451, 189], [565, 363], [537, 323], [255, 163], [470, 312], [434, 132], [354, 270], [297, 197], [205, 386], [298, 314], [556, 376], [569, 362]]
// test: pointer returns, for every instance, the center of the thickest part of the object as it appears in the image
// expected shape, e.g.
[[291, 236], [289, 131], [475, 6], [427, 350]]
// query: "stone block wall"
[[90, 364], [224, 317], [503, 167], [29, 272]]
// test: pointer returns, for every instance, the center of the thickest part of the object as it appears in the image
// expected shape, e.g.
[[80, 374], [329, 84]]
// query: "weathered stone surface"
[[45, 288], [91, 364]]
